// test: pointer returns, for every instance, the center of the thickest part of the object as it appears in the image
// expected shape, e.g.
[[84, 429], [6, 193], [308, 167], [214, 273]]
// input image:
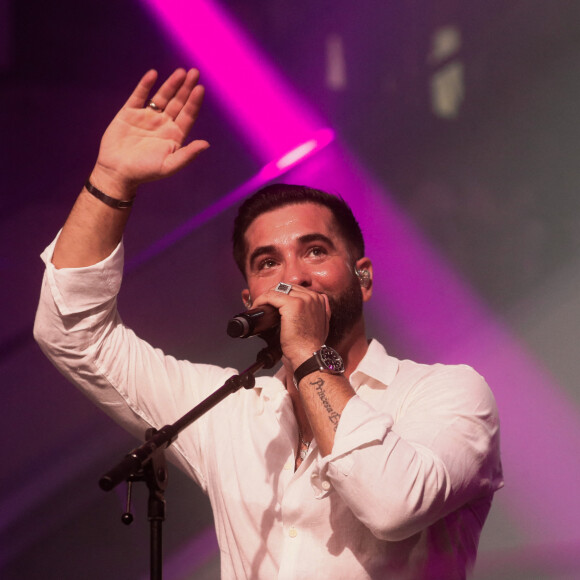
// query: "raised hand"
[[141, 144], [145, 143]]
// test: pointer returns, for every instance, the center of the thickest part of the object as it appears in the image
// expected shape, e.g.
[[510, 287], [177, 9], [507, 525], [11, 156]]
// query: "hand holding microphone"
[[309, 310], [257, 320]]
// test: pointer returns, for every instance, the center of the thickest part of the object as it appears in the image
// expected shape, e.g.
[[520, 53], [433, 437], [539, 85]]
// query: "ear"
[[246, 298], [364, 270]]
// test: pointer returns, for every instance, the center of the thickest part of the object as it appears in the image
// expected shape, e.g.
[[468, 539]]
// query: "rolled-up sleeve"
[[430, 446], [76, 290], [79, 329]]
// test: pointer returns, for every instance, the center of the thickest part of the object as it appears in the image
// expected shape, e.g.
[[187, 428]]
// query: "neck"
[[353, 347]]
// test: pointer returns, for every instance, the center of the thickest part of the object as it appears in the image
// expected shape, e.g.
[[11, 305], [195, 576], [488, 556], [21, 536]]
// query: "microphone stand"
[[147, 462]]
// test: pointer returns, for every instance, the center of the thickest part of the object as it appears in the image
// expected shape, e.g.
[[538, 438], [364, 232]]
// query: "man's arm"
[[425, 449], [77, 325], [140, 145]]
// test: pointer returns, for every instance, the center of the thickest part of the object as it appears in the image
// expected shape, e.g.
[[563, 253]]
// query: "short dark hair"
[[279, 195]]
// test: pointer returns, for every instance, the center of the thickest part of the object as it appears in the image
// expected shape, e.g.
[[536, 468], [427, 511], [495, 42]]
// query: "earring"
[[364, 277], [248, 302]]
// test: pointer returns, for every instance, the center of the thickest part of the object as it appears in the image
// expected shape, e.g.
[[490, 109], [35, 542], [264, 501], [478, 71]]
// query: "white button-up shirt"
[[404, 493]]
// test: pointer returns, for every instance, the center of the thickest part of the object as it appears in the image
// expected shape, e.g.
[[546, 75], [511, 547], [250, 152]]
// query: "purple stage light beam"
[[251, 92]]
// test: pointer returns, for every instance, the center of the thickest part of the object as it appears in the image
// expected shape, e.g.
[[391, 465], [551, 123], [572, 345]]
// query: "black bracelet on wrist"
[[110, 201]]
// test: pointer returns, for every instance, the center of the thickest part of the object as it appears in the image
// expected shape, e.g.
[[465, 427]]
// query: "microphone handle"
[[252, 322]]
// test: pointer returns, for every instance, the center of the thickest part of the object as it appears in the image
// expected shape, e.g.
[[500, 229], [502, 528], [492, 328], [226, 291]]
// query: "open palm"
[[143, 144]]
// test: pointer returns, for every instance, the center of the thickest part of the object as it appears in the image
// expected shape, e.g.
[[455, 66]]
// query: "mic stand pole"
[[147, 462]]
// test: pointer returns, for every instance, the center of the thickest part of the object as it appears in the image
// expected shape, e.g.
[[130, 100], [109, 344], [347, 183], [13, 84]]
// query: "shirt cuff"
[[360, 425], [76, 290]]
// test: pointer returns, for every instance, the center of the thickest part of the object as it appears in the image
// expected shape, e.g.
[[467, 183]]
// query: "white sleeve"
[[402, 469], [79, 329]]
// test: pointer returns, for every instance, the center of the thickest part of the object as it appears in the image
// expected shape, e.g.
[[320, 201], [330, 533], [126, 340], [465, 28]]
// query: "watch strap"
[[317, 362], [310, 365]]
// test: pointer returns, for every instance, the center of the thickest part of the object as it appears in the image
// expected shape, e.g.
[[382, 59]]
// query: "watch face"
[[331, 359]]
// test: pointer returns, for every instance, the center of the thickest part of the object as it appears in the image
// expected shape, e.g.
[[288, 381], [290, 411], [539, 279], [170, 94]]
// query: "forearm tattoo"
[[333, 416]]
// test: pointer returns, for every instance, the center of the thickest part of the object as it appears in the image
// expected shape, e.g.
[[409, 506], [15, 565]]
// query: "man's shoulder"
[[451, 386], [439, 371], [411, 374]]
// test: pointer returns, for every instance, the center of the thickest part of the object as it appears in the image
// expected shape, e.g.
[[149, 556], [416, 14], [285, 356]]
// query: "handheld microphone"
[[252, 322]]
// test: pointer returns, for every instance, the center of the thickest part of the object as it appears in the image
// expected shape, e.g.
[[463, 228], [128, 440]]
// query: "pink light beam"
[[250, 91]]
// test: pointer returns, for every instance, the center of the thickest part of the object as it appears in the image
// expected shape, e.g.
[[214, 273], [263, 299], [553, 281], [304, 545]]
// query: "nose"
[[296, 273]]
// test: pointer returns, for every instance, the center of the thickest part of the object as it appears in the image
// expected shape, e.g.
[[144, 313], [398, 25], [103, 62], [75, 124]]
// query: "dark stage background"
[[463, 114]]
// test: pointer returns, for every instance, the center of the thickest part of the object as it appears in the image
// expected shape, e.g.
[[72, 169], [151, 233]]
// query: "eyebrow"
[[306, 239], [303, 240], [260, 251]]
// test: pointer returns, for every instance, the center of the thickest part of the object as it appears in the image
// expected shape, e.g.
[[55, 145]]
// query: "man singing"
[[347, 463]]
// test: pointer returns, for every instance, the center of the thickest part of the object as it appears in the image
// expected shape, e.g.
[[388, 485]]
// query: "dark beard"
[[346, 309]]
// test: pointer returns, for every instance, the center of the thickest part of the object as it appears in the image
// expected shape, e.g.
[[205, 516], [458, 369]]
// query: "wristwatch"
[[325, 360]]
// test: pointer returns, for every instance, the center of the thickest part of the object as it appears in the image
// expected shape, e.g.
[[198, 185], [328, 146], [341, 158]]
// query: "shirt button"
[[288, 465], [293, 532], [325, 485]]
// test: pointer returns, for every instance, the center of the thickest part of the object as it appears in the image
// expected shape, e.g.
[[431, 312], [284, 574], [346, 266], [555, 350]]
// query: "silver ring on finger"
[[153, 106], [283, 287]]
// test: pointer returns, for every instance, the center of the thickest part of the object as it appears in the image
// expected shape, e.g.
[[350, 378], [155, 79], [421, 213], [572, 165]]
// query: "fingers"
[[175, 104], [305, 321], [169, 89], [190, 111], [318, 300], [172, 95], [180, 98], [303, 307], [279, 298], [139, 95]]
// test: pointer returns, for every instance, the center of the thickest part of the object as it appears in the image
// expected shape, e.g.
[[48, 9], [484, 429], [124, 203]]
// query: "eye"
[[266, 264], [317, 251]]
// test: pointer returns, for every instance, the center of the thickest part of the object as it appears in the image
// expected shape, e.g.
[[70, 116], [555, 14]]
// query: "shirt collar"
[[272, 386], [377, 365]]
